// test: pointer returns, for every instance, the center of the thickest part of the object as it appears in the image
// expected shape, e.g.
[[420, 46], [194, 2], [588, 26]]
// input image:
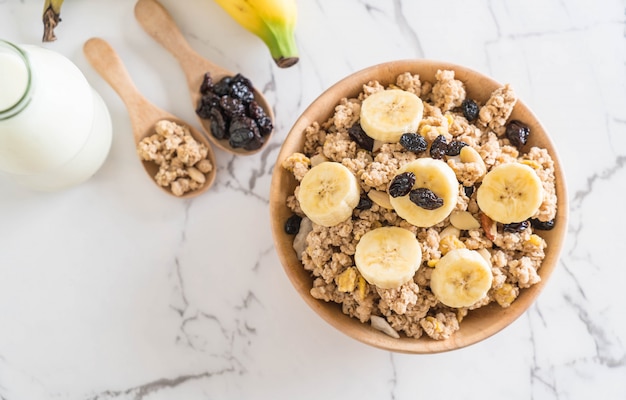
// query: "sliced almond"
[[449, 230], [380, 198], [382, 325], [488, 226], [318, 159], [485, 254], [377, 145], [299, 242], [464, 220], [469, 154]]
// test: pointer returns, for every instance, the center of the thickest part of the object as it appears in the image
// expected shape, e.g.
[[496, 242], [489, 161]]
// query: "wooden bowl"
[[479, 324]]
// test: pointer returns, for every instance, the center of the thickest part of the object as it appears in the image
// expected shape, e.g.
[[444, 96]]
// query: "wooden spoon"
[[159, 24], [143, 114]]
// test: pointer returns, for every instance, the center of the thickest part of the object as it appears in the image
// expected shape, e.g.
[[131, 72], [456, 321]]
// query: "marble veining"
[[112, 291]]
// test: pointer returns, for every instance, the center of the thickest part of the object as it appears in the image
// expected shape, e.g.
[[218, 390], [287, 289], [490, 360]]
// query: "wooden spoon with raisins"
[[236, 117]]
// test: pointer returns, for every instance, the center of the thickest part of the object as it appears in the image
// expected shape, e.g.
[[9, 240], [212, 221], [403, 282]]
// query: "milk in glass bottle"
[[55, 130]]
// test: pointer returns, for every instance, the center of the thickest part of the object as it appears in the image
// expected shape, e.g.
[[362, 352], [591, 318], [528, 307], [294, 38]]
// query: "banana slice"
[[431, 174], [388, 257], [510, 192], [387, 114], [461, 278], [328, 193]]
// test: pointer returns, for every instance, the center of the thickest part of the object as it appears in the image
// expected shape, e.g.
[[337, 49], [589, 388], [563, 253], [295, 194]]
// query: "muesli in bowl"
[[418, 206]]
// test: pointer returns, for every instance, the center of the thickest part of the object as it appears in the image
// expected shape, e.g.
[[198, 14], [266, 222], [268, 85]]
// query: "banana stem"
[[51, 18], [283, 47]]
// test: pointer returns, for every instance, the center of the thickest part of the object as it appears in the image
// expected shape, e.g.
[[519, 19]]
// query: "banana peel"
[[51, 18]]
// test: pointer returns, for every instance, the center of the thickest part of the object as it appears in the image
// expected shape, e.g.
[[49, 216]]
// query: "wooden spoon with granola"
[[178, 158]]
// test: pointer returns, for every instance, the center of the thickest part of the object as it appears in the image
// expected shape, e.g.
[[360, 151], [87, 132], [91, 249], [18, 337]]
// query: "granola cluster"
[[183, 162], [412, 309]]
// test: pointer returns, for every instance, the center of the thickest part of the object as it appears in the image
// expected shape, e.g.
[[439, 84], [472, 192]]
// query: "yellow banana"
[[273, 21], [51, 18]]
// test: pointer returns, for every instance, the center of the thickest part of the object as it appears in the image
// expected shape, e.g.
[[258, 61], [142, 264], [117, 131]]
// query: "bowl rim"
[[350, 86]]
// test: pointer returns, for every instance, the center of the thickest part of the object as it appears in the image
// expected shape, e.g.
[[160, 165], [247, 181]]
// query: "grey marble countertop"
[[113, 291]]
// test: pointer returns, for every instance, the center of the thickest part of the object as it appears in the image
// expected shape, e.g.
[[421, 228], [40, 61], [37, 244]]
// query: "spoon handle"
[[108, 64], [159, 24]]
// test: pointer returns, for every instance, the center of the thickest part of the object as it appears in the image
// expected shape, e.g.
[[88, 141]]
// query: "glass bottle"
[[55, 130]]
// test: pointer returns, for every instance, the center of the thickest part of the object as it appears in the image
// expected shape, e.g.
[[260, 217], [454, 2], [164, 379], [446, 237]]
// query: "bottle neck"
[[16, 80]]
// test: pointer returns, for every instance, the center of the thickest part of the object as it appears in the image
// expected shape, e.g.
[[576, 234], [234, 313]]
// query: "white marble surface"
[[114, 291]]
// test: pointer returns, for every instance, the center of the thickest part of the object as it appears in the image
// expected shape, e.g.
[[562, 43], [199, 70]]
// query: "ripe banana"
[[51, 18], [387, 114], [461, 278], [388, 257], [328, 193], [510, 192], [273, 21], [431, 174]]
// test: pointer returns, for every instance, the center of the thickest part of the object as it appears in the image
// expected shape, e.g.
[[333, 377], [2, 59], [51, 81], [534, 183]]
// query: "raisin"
[[454, 148], [233, 113], [517, 133], [542, 225], [257, 113], [205, 104], [439, 147], [222, 88], [203, 110], [402, 184], [425, 198], [358, 135], [232, 107], [242, 131], [469, 190], [516, 226], [292, 225], [219, 126], [240, 78], [470, 109], [256, 142], [207, 84], [413, 142], [265, 125], [365, 203], [241, 91]]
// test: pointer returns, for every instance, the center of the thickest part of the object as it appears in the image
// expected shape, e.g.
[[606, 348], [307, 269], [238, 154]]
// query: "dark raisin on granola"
[[292, 225], [454, 147], [402, 184], [469, 190], [425, 198], [365, 203], [439, 147], [517, 133], [470, 109], [358, 135], [542, 225], [413, 142], [516, 227]]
